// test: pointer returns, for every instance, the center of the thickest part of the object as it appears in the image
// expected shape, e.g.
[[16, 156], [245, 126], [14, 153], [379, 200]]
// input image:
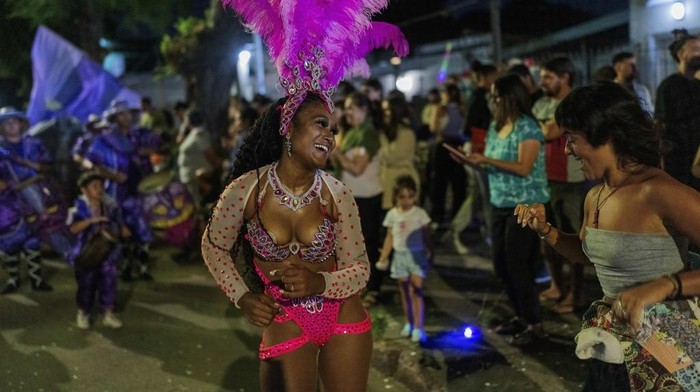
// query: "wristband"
[[674, 282], [678, 281], [545, 235]]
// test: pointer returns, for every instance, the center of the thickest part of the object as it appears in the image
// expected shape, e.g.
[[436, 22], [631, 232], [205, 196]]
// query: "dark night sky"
[[422, 21], [592, 6], [596, 6]]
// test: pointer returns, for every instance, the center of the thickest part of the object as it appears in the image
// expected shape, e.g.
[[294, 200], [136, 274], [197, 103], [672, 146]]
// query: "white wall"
[[164, 92], [651, 25]]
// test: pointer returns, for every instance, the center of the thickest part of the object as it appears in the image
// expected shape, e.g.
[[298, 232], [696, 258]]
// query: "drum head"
[[156, 182]]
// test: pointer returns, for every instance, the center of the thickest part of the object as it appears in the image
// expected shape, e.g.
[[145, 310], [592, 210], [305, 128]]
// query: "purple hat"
[[116, 107], [9, 111]]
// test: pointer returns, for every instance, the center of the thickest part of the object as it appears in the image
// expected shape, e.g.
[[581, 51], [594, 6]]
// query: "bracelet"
[[674, 282], [677, 279], [545, 235]]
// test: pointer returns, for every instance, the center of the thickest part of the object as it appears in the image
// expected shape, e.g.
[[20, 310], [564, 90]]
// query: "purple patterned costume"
[[119, 153], [39, 210], [16, 238], [101, 280], [38, 197], [82, 144]]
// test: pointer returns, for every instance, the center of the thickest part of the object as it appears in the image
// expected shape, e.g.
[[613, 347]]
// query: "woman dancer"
[[636, 340], [298, 227]]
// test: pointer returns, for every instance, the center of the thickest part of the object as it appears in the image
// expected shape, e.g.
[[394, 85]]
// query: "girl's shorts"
[[407, 262]]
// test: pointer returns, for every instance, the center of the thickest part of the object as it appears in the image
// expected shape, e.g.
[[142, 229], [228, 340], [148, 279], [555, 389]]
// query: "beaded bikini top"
[[322, 246]]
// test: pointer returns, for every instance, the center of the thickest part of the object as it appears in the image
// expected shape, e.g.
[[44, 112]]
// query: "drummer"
[[21, 158], [93, 128], [121, 154]]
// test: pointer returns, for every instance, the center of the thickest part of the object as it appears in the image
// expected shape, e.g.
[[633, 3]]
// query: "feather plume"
[[383, 35], [259, 16], [315, 43]]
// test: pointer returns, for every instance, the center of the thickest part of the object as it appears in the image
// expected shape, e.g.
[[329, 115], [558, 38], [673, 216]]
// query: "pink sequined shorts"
[[316, 316], [294, 343]]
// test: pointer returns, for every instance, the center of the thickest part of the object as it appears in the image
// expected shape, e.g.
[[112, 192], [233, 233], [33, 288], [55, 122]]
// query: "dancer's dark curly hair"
[[608, 112], [261, 147]]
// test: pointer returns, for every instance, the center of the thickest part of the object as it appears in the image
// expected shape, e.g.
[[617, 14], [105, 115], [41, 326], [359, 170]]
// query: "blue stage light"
[[468, 332], [462, 337]]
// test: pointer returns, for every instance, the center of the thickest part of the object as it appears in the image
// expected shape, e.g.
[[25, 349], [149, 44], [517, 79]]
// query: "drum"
[[168, 207], [41, 211], [45, 212], [44, 209]]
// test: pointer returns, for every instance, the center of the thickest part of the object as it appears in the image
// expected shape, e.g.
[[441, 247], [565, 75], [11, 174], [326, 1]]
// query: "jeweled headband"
[[316, 43]]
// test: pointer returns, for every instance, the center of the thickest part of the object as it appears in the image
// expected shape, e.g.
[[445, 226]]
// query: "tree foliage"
[[201, 52], [181, 50], [82, 22]]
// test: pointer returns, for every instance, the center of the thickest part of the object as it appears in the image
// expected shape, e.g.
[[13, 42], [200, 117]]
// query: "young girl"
[[92, 212], [409, 236]]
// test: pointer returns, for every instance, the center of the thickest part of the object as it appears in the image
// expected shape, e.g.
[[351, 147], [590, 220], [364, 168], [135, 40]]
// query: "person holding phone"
[[514, 161]]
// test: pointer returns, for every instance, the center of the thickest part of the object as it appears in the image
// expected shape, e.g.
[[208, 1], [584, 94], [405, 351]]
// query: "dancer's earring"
[[289, 146]]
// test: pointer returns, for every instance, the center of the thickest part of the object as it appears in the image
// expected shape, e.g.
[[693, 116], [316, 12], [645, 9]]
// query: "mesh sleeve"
[[352, 271], [221, 233]]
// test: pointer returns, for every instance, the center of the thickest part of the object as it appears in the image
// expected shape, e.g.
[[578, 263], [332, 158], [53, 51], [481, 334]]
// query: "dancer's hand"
[[259, 309], [533, 216], [298, 280], [630, 304]]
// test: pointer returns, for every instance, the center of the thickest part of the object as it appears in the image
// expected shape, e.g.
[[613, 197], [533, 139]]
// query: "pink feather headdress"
[[316, 43]]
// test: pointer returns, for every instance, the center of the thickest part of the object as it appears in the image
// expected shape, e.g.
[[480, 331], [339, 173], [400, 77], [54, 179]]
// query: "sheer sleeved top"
[[352, 266]]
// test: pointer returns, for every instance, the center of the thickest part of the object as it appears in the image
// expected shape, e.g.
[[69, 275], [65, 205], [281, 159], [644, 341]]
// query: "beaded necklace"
[[599, 204], [286, 197]]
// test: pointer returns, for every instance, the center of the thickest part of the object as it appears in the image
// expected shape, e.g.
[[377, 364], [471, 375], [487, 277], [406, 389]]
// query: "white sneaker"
[[382, 265], [82, 320], [111, 321], [418, 335], [406, 331]]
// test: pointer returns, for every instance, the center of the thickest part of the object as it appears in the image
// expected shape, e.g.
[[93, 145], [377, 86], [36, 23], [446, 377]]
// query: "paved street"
[[180, 334]]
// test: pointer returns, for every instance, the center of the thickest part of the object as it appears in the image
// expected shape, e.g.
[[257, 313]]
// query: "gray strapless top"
[[624, 259]]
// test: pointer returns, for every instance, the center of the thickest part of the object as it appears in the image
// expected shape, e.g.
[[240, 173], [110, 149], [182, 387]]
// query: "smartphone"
[[458, 152]]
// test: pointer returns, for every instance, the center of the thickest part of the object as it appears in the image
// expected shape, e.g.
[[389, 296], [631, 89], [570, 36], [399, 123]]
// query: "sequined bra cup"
[[322, 246]]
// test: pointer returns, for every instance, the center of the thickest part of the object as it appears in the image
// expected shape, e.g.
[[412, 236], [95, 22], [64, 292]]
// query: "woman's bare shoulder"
[[659, 187]]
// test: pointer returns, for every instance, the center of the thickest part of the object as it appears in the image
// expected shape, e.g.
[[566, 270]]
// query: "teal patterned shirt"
[[508, 189]]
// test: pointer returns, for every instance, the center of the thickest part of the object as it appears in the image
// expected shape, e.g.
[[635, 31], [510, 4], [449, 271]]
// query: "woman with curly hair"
[[298, 229], [643, 335]]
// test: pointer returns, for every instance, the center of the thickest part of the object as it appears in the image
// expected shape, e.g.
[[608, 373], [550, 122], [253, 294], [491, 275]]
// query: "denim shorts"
[[407, 262]]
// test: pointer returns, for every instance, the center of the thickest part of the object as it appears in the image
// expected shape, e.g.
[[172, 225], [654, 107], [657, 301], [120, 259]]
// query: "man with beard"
[[566, 182], [678, 110], [625, 65]]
